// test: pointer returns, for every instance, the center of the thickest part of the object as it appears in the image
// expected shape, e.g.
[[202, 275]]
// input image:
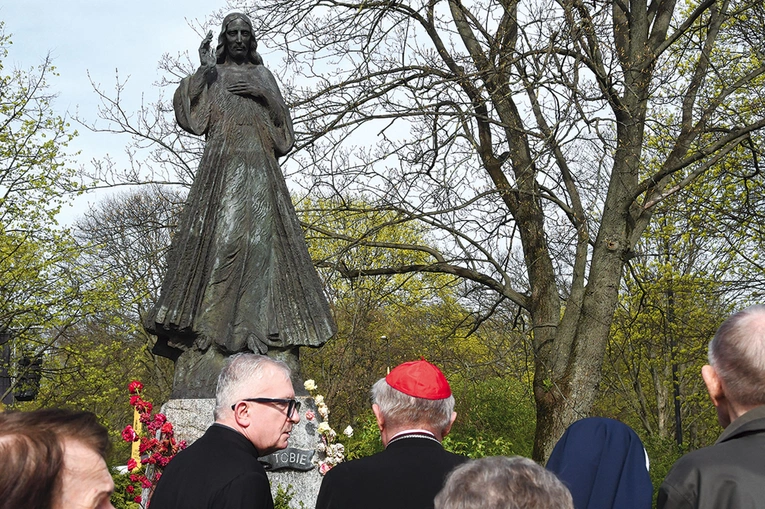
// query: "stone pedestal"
[[191, 417]]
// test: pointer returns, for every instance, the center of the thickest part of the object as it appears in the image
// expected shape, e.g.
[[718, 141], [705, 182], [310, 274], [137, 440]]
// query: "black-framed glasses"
[[293, 405]]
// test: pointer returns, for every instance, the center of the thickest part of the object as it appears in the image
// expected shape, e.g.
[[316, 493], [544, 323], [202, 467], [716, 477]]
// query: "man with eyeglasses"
[[255, 410]]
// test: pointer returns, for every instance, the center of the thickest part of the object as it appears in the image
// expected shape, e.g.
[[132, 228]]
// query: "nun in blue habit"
[[604, 464]]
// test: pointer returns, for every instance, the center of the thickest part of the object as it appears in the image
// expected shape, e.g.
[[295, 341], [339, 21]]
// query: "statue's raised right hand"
[[206, 56]]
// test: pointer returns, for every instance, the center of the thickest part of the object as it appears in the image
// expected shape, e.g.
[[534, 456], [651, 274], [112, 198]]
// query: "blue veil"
[[603, 463]]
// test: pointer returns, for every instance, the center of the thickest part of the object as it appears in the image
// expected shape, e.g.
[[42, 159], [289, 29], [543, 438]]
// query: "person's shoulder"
[[354, 470], [705, 463], [355, 464], [724, 475], [394, 461], [681, 485], [689, 462], [250, 489], [250, 478], [224, 448], [262, 69], [455, 456], [458, 459], [701, 459]]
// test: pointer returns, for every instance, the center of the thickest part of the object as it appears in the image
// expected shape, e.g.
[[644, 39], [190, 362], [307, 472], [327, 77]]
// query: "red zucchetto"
[[420, 379]]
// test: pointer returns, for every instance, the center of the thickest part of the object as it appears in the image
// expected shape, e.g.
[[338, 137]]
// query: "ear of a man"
[[449, 426], [385, 433], [716, 392], [378, 416], [242, 415]]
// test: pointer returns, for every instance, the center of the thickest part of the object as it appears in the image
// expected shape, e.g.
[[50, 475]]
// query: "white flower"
[[334, 453], [309, 385]]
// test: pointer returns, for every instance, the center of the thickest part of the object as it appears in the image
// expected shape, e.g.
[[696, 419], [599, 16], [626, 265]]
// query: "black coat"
[[727, 475], [218, 471], [408, 474]]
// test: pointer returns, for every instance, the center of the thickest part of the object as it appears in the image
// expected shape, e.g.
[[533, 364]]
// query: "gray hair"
[[737, 352], [400, 409], [242, 369], [500, 482]]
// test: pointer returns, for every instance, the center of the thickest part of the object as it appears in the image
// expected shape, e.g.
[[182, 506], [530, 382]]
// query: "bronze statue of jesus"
[[239, 274]]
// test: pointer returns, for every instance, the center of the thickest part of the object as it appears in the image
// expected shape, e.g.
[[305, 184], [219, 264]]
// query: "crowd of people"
[[55, 459]]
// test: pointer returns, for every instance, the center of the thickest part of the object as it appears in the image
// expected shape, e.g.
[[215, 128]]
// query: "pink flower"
[[147, 444], [135, 387], [324, 468], [143, 407], [154, 451], [129, 434], [310, 415]]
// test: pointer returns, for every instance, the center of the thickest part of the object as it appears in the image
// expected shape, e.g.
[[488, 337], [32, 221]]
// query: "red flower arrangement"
[[157, 446]]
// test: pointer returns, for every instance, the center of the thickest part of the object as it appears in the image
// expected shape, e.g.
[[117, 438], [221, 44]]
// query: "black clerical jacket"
[[218, 471], [408, 474], [727, 475]]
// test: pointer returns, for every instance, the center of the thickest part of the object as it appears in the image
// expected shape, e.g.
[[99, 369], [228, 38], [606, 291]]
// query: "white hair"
[[500, 482], [737, 352], [400, 409], [240, 370]]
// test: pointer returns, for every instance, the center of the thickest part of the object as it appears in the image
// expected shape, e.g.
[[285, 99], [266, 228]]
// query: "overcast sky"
[[99, 37]]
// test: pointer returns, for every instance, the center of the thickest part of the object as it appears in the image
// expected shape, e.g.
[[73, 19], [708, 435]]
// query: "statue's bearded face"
[[238, 38]]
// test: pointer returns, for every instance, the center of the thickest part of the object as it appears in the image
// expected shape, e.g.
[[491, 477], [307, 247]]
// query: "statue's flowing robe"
[[239, 273]]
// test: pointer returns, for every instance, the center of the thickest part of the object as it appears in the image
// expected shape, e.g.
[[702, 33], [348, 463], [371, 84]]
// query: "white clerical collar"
[[413, 433]]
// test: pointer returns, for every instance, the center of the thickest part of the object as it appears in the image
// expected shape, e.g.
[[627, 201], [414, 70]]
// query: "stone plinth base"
[[191, 417]]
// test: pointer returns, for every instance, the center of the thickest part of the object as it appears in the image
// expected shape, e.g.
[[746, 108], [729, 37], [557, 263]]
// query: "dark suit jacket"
[[408, 474], [727, 475], [218, 471]]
